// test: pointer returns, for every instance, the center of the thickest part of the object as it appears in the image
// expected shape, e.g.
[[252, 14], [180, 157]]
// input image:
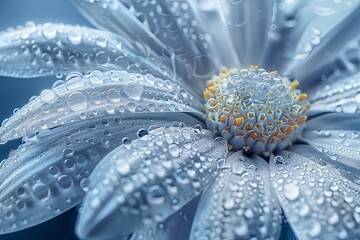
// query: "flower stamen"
[[255, 110]]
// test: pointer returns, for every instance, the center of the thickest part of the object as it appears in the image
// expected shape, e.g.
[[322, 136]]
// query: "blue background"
[[15, 92]]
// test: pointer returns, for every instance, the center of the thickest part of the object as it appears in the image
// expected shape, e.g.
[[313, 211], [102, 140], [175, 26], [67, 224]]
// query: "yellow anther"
[[211, 88], [224, 70], [254, 135], [213, 102], [293, 85], [207, 94], [239, 121], [254, 66], [222, 118], [302, 119], [250, 114], [290, 130], [302, 97]]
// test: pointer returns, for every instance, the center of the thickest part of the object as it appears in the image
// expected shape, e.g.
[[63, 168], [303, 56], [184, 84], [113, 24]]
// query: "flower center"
[[255, 110]]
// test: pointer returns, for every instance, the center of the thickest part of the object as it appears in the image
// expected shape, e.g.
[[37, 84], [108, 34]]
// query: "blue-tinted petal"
[[177, 226], [248, 23], [47, 174], [97, 94], [350, 173], [147, 181], [338, 53], [220, 44], [334, 121], [240, 204], [49, 49], [342, 95], [158, 24], [318, 202], [340, 145]]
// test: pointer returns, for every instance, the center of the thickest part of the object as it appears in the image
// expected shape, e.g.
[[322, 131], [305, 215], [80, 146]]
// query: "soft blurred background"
[[15, 92]]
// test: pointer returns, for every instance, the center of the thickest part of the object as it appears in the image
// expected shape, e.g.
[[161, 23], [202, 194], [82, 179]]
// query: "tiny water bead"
[[255, 110]]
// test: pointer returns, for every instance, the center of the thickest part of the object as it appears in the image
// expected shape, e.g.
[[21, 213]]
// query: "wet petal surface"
[[177, 226], [342, 95], [49, 49], [148, 180], [97, 94], [342, 146], [47, 175], [168, 27], [240, 204], [317, 201]]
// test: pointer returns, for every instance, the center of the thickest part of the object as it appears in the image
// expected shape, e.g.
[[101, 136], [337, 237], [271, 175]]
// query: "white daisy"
[[165, 126]]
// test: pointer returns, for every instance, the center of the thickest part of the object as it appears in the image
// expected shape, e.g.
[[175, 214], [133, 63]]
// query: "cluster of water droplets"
[[255, 109], [151, 178], [316, 198], [49, 49], [96, 94], [240, 204]]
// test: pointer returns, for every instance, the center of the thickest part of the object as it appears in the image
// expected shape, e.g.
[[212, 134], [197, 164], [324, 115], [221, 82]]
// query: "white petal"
[[338, 52], [177, 226], [350, 173], [148, 180], [340, 145], [97, 94], [334, 121], [248, 23], [318, 202], [40, 50], [211, 16], [240, 204], [157, 24], [342, 95], [47, 174]]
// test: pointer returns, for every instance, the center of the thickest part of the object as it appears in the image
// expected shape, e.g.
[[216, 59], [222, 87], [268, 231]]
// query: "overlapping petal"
[[337, 55], [158, 24], [340, 145], [342, 95], [240, 204], [148, 180], [248, 23], [47, 174], [350, 173], [97, 94], [317, 201], [49, 49], [177, 226]]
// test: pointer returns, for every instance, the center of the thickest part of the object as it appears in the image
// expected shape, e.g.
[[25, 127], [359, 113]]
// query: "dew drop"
[[77, 101], [41, 192], [64, 181], [74, 36], [48, 96], [174, 150], [49, 31], [291, 191], [133, 90], [84, 184], [123, 167], [156, 195]]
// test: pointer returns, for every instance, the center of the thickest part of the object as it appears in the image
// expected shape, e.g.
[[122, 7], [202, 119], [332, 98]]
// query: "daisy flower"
[[188, 119]]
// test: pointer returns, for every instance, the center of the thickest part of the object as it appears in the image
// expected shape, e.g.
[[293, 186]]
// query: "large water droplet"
[[133, 90], [74, 36], [48, 96], [77, 101], [41, 192], [291, 191]]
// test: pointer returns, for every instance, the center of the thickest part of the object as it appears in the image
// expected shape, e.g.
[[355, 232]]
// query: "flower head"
[[157, 140]]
